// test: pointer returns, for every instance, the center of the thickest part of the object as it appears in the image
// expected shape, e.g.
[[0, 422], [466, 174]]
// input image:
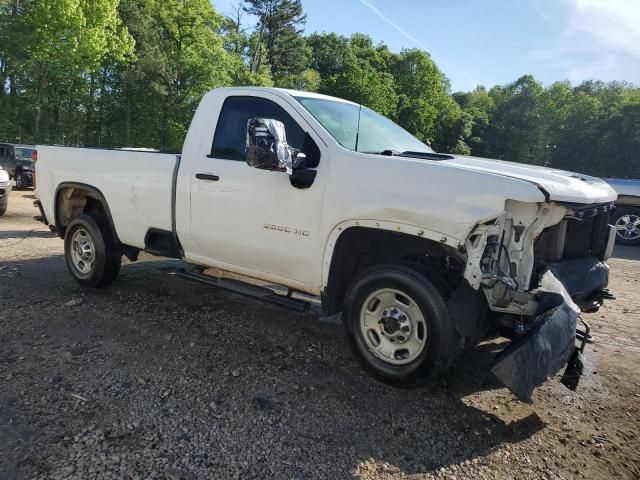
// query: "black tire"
[[3, 210], [19, 182], [442, 344], [617, 219], [106, 256]]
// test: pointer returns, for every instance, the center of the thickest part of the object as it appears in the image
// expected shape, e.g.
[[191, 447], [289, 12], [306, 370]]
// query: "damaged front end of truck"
[[540, 266]]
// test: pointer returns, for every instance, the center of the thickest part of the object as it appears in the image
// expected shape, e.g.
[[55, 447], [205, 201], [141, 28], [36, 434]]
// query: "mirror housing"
[[267, 149], [267, 146]]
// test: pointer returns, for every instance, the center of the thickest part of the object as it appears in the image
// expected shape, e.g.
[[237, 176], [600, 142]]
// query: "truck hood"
[[558, 185]]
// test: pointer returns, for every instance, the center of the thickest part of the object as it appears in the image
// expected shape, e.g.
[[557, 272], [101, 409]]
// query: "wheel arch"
[[359, 244], [72, 198]]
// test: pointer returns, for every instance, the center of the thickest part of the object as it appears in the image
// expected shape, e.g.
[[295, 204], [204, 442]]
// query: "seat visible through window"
[[231, 132]]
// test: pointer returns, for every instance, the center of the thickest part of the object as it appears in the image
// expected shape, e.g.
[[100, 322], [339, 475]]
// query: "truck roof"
[[293, 93]]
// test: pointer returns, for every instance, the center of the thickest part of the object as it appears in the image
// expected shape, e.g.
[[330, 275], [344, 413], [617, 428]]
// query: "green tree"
[[280, 40], [131, 72], [477, 105], [362, 84], [618, 154], [179, 57], [425, 107], [358, 74], [516, 129], [330, 53], [11, 122], [57, 44], [240, 43]]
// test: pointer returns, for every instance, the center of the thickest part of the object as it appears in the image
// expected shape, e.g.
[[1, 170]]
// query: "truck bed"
[[137, 185]]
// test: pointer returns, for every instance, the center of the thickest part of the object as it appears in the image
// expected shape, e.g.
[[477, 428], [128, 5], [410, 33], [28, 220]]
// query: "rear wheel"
[[627, 223], [3, 210], [398, 324], [92, 256]]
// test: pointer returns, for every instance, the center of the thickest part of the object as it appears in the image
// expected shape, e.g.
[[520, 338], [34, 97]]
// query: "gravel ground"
[[156, 377]]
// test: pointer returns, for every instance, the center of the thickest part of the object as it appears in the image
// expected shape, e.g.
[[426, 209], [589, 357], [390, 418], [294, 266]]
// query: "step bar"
[[247, 289]]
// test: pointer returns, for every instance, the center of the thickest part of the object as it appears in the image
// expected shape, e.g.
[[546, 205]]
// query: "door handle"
[[207, 176]]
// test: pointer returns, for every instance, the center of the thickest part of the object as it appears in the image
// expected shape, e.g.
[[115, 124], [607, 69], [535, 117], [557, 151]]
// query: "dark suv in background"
[[19, 162]]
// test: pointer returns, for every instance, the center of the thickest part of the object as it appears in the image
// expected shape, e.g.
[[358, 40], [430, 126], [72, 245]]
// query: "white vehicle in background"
[[626, 216], [423, 253], [5, 190]]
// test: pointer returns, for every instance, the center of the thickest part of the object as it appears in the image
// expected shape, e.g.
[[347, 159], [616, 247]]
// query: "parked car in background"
[[5, 188], [19, 162], [626, 216]]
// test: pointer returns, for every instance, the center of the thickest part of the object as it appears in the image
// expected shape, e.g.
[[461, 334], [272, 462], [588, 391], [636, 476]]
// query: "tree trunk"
[[127, 120], [164, 126], [3, 75], [256, 60], [13, 88], [90, 110], [36, 126]]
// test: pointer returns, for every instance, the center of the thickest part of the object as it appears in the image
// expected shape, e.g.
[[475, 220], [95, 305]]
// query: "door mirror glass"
[[267, 146]]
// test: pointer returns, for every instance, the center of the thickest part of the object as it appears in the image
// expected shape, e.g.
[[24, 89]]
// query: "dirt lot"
[[155, 377]]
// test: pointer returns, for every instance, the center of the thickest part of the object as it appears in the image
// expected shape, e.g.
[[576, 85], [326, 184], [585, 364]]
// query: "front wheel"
[[627, 223], [398, 324], [91, 253]]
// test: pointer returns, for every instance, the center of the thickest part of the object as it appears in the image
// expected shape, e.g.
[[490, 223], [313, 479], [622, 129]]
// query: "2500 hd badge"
[[282, 228]]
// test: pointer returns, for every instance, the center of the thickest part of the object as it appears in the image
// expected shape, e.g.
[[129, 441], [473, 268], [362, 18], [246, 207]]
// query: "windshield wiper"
[[421, 155], [427, 155]]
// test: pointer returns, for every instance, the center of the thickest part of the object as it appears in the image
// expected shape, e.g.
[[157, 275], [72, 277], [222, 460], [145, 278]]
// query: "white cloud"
[[600, 39], [612, 24]]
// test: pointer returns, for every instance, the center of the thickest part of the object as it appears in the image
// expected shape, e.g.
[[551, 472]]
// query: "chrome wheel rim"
[[393, 326], [83, 250], [628, 227]]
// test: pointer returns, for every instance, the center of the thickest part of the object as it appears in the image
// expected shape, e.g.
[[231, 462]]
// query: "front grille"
[[587, 237], [583, 233]]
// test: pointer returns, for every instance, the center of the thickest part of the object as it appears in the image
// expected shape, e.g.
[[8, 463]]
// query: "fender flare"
[[415, 230], [89, 188]]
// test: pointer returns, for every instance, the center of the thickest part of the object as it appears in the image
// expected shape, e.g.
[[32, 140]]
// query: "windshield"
[[376, 135], [24, 153]]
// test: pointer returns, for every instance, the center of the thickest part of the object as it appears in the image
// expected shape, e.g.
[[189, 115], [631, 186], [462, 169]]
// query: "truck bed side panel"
[[136, 185]]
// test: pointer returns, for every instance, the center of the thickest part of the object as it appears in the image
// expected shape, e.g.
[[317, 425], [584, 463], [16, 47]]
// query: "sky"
[[490, 42]]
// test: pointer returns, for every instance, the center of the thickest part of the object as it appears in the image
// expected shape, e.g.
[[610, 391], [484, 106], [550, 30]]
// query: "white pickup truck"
[[423, 253]]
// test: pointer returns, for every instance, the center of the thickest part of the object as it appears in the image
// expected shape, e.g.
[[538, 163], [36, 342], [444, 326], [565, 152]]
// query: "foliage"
[[591, 128], [117, 73], [280, 25]]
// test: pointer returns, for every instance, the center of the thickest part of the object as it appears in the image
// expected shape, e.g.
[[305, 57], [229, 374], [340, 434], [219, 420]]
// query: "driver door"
[[253, 221]]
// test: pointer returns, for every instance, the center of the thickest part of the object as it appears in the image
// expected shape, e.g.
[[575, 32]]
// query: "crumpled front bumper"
[[550, 342]]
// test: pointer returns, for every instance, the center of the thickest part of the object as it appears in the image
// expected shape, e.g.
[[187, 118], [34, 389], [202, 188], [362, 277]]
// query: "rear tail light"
[[34, 155]]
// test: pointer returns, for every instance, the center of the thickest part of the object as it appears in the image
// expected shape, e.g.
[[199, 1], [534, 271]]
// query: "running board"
[[246, 289]]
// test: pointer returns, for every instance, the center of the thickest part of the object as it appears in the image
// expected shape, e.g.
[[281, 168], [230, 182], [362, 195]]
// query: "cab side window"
[[229, 141]]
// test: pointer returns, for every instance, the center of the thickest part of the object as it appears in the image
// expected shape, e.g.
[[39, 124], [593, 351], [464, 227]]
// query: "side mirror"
[[267, 147]]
